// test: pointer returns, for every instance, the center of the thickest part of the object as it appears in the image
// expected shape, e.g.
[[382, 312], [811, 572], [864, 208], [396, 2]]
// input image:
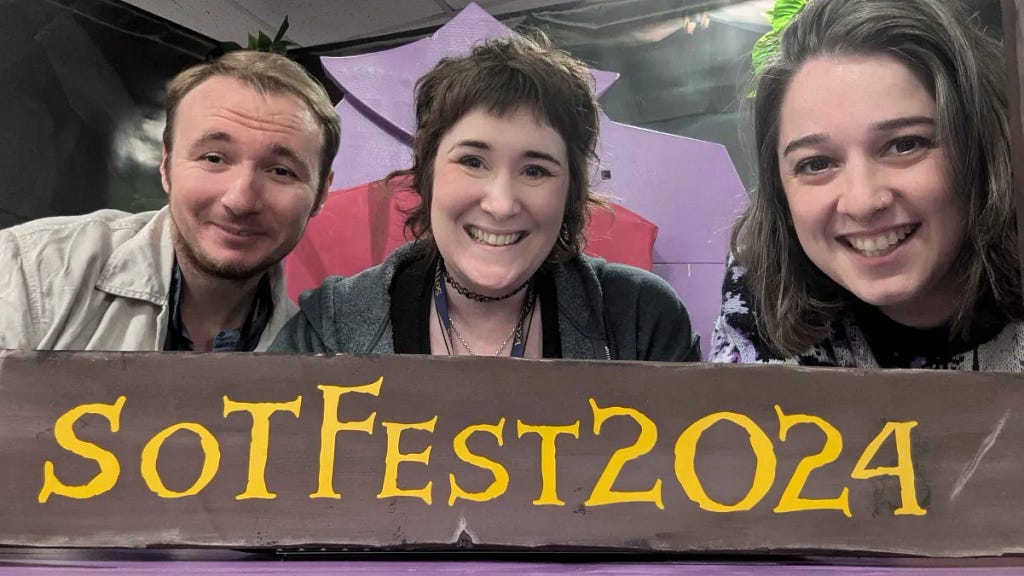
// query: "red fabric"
[[359, 227]]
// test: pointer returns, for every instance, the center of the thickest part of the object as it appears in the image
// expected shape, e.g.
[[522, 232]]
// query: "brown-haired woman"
[[504, 140], [882, 231]]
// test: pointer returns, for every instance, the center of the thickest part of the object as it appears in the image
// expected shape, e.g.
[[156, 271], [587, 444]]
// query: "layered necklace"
[[448, 328]]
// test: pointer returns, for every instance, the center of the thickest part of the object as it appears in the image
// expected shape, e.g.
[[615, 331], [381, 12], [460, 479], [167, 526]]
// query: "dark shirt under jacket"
[[244, 339], [411, 297]]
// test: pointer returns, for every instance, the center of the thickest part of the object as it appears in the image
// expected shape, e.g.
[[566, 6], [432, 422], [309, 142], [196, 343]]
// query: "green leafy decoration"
[[779, 16], [783, 12], [263, 43]]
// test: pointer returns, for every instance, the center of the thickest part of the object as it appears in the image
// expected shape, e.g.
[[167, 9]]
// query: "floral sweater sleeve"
[[735, 339]]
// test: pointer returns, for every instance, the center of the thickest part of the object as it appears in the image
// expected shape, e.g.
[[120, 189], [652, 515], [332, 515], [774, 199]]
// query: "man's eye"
[[213, 158], [280, 171]]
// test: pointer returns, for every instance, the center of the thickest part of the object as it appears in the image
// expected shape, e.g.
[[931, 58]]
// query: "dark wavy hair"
[[501, 76], [962, 68]]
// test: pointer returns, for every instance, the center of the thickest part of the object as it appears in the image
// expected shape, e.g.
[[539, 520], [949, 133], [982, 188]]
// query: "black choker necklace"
[[478, 297]]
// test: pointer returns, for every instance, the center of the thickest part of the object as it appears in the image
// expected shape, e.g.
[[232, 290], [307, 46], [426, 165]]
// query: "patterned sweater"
[[862, 337]]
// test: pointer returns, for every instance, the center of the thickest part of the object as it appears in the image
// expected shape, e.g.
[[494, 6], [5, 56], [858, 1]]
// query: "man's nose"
[[243, 195]]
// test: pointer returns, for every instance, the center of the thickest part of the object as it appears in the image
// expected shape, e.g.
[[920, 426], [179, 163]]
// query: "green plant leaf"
[[783, 11], [281, 31], [260, 42], [264, 42]]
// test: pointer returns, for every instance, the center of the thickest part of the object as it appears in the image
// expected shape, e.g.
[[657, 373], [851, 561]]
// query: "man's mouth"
[[239, 230], [493, 239], [881, 244]]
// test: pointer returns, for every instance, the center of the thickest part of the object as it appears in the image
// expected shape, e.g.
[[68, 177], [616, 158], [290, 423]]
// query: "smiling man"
[[247, 153]]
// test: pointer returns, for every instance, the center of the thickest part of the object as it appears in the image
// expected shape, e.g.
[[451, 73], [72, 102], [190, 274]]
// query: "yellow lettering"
[[791, 501], [764, 471], [64, 433], [330, 427], [548, 466], [500, 484], [259, 440], [903, 470], [150, 453], [394, 457], [603, 493]]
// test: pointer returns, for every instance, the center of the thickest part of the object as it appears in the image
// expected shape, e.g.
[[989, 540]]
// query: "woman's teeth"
[[882, 243], [493, 239]]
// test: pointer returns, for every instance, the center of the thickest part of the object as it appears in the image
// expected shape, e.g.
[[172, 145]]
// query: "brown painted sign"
[[116, 449]]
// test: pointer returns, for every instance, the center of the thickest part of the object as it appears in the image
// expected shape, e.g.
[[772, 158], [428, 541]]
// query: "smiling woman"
[[882, 232], [505, 137]]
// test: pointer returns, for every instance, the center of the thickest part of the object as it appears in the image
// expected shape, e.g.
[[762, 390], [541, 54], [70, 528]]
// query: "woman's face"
[[865, 177], [499, 193]]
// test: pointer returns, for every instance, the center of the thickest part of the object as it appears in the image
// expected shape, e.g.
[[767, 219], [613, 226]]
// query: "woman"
[[882, 232], [502, 152]]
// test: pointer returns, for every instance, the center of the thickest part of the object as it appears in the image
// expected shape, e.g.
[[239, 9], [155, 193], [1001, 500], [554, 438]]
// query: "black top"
[[411, 299], [895, 345]]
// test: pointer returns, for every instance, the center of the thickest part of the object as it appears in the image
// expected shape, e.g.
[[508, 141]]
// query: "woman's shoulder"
[[737, 338], [626, 278], [1005, 352], [343, 306], [373, 281], [643, 306]]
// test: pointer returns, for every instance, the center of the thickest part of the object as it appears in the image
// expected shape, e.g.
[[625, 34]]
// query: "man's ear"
[[321, 198], [164, 177]]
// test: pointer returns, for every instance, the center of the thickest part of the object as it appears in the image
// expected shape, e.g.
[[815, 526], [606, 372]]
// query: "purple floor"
[[159, 562]]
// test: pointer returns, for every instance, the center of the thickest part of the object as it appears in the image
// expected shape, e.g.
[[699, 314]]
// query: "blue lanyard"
[[441, 304]]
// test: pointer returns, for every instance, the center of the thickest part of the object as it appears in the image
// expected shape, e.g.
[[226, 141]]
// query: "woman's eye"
[[813, 165], [471, 162], [534, 171], [908, 144]]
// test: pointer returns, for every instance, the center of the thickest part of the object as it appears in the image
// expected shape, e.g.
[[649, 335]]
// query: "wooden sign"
[[404, 452]]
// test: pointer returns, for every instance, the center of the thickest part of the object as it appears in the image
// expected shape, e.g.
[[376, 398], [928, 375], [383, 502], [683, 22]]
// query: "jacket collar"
[[581, 310], [141, 269]]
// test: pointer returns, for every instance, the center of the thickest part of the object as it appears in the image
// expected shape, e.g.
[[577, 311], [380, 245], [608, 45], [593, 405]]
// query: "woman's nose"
[[864, 191], [501, 197]]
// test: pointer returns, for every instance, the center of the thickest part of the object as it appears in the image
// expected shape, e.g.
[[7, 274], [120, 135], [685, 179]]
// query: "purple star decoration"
[[688, 188]]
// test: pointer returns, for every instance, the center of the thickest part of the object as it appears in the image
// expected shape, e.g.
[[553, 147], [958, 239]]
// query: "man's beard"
[[199, 261]]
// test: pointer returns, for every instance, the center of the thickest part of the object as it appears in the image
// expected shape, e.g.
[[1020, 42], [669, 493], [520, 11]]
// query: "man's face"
[[241, 178]]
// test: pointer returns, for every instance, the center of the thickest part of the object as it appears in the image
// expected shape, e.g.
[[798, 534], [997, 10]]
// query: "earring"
[[564, 238]]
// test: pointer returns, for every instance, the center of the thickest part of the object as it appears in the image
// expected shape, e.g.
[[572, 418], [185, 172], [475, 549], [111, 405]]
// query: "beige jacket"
[[96, 282]]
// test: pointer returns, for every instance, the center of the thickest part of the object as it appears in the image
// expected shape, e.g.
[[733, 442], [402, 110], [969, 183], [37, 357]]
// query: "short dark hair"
[[962, 68], [265, 72], [501, 76]]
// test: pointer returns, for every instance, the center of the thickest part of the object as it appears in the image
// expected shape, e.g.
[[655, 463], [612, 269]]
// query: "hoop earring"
[[564, 238]]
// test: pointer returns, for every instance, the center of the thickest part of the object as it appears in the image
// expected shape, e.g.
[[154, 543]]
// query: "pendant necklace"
[[441, 278]]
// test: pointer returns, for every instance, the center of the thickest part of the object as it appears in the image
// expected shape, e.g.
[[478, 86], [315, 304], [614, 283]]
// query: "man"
[[247, 153]]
